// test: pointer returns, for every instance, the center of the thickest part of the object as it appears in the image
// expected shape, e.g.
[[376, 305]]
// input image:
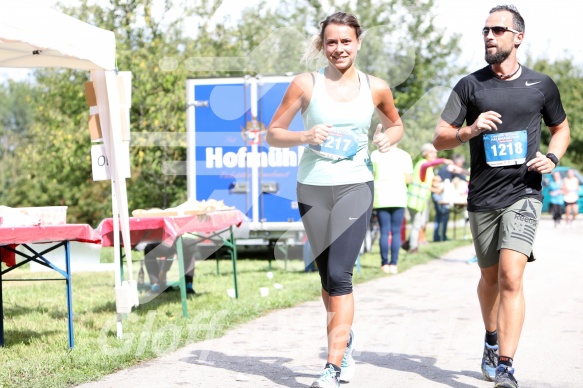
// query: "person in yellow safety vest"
[[419, 192]]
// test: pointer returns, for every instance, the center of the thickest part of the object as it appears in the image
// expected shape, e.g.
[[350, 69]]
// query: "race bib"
[[505, 149], [341, 143]]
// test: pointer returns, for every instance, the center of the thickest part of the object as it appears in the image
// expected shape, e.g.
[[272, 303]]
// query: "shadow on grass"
[[13, 337]]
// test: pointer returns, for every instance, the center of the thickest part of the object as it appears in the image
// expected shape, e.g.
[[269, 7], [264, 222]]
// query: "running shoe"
[[505, 377], [489, 361], [348, 366], [328, 379]]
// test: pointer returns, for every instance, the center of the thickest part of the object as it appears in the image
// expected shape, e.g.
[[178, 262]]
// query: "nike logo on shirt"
[[533, 83]]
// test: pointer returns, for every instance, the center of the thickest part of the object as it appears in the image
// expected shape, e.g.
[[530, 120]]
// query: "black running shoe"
[[489, 361], [505, 377]]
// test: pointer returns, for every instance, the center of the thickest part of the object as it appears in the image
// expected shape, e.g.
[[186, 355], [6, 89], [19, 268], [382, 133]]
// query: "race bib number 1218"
[[505, 149]]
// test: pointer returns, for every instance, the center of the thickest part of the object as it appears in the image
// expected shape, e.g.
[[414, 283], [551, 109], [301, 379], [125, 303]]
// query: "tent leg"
[[181, 273], [69, 294]]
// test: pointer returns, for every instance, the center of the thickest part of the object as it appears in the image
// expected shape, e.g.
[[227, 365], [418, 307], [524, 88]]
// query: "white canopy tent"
[[32, 37]]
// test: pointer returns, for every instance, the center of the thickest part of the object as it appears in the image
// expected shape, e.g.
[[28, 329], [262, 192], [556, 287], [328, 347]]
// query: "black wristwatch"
[[553, 158]]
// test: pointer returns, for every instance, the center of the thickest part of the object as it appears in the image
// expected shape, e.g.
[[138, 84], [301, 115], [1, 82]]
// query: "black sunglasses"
[[497, 31]]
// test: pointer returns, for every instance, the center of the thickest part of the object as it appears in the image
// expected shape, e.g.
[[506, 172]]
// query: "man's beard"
[[498, 57]]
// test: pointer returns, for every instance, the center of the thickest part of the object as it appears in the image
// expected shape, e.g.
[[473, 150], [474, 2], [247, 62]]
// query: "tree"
[[151, 43], [413, 56], [569, 80], [16, 115]]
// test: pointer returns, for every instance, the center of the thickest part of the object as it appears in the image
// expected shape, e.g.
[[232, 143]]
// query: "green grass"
[[36, 352]]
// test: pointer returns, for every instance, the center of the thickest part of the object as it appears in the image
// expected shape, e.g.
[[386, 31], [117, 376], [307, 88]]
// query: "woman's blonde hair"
[[314, 51]]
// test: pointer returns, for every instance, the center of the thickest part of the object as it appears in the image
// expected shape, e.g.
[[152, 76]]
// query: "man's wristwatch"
[[553, 158]]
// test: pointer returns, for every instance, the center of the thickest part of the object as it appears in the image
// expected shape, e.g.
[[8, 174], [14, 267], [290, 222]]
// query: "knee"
[[489, 277], [509, 283], [339, 283]]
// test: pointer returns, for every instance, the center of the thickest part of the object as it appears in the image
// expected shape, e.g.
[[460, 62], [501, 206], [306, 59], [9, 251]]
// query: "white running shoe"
[[327, 379], [348, 366]]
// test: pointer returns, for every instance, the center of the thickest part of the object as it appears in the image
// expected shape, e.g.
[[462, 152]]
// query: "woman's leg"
[[444, 222], [348, 224], [398, 214], [385, 223], [336, 233], [437, 222]]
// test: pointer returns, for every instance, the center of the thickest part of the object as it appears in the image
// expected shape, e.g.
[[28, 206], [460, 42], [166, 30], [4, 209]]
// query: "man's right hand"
[[486, 122]]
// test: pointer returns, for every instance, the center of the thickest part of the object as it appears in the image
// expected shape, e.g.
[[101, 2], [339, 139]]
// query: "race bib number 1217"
[[340, 144]]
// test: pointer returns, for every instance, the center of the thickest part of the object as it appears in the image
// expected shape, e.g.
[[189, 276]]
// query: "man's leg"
[[511, 307], [485, 230], [489, 297]]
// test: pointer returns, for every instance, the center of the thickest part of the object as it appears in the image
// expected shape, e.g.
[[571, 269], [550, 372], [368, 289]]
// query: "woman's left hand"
[[381, 140]]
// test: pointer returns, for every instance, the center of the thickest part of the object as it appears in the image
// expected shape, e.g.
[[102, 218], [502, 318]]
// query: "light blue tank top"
[[355, 115]]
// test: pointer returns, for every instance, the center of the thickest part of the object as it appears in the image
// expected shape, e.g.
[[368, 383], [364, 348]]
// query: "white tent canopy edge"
[[33, 37]]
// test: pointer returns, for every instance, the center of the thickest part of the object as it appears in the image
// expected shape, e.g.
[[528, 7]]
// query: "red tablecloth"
[[167, 229], [16, 235]]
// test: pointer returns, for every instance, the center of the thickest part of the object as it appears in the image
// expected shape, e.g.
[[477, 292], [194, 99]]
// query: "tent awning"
[[42, 37]]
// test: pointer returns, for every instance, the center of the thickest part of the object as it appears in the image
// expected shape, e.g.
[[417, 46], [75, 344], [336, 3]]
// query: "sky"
[[550, 33]]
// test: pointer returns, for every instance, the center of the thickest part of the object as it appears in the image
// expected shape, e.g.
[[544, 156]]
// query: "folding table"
[[54, 236], [215, 226]]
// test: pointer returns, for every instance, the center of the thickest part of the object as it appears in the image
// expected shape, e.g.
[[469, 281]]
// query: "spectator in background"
[[446, 175], [392, 174], [441, 208], [419, 192], [557, 200], [158, 259], [571, 196]]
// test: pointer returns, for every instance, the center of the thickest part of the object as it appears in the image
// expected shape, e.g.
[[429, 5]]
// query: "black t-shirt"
[[521, 103]]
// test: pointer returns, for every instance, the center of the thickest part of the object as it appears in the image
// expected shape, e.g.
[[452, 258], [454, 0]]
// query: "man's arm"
[[444, 136], [560, 138], [447, 136]]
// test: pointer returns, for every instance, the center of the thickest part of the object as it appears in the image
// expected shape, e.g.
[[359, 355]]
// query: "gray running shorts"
[[513, 227]]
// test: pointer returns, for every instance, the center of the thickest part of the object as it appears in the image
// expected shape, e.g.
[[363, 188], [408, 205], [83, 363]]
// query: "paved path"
[[421, 328]]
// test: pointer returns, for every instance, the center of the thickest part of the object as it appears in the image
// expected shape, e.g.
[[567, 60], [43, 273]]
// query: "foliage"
[[569, 79], [152, 42], [16, 115]]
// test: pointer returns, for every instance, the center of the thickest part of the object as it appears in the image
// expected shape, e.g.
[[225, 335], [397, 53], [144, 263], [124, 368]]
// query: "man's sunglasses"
[[497, 31]]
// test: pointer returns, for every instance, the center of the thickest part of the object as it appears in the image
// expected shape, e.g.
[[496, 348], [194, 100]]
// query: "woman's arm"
[[388, 115], [296, 97]]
